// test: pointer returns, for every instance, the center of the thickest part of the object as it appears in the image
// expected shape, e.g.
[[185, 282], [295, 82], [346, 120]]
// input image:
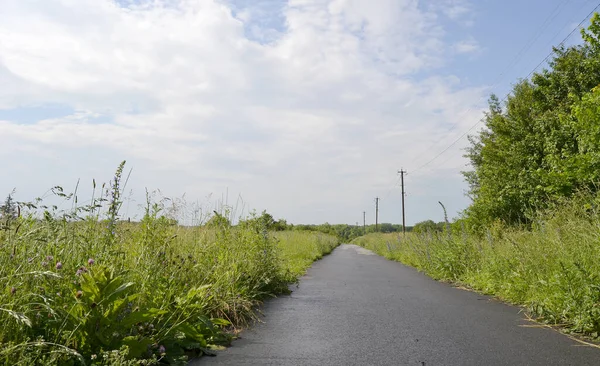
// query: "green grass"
[[300, 249], [79, 287], [552, 269]]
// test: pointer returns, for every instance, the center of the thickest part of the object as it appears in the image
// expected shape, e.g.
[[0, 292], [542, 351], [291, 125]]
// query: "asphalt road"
[[356, 308]]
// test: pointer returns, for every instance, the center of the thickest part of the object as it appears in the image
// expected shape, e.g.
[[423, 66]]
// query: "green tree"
[[428, 226], [9, 209], [530, 152]]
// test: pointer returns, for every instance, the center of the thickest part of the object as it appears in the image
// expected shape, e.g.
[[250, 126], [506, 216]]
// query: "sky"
[[304, 108]]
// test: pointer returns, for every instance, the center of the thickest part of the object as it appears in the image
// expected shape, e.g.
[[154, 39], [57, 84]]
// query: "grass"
[[80, 287], [300, 249], [553, 269]]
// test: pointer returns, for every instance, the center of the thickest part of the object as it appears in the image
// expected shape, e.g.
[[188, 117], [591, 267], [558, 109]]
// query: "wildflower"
[[78, 294], [29, 260], [58, 265], [162, 350], [44, 264], [91, 261], [81, 271], [49, 258], [13, 290]]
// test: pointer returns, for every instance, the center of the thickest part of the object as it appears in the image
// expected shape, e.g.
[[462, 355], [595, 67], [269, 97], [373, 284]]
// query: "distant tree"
[[428, 226], [266, 221], [9, 209], [280, 225]]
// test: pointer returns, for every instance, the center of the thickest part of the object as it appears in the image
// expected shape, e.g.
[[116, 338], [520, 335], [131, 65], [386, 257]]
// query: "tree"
[[531, 151], [428, 226], [266, 221], [9, 209]]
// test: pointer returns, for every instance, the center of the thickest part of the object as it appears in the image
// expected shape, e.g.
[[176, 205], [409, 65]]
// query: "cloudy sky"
[[305, 108]]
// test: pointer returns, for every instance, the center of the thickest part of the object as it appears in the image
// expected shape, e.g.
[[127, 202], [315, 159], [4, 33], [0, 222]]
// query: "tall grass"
[[300, 249], [81, 287], [553, 269]]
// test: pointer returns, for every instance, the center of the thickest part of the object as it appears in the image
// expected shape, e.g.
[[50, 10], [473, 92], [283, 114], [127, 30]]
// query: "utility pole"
[[402, 172], [364, 222], [376, 214]]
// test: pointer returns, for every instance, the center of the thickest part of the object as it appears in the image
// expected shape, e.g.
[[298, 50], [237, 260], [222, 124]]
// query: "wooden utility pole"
[[376, 214], [364, 222], [402, 172]]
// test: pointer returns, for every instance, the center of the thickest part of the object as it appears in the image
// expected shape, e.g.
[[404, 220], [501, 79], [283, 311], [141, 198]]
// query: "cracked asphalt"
[[357, 308]]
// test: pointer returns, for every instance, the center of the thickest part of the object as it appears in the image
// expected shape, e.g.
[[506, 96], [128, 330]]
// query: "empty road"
[[356, 308]]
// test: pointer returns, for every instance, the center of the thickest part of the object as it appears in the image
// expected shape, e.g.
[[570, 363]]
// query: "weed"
[[83, 287]]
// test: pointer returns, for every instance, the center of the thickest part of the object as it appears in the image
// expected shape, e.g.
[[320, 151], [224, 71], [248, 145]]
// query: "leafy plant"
[[80, 286]]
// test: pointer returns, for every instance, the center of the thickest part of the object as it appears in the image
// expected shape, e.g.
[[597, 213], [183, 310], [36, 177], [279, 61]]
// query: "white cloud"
[[467, 46], [316, 115], [458, 10]]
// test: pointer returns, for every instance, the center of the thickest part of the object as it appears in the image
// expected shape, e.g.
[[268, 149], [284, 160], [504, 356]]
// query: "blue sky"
[[305, 108]]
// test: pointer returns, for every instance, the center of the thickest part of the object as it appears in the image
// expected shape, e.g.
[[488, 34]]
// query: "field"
[[81, 287], [553, 268]]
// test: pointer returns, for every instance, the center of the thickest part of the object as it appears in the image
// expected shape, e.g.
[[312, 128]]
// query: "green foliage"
[[218, 221], [424, 227], [542, 144], [348, 232], [553, 269], [267, 221], [300, 249], [82, 287], [8, 210]]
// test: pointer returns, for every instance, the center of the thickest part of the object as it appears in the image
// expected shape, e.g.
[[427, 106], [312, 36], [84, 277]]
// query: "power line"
[[507, 95], [539, 32], [555, 12], [564, 40], [396, 181]]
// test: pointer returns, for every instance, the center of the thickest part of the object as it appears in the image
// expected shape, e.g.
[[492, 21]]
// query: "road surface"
[[357, 308]]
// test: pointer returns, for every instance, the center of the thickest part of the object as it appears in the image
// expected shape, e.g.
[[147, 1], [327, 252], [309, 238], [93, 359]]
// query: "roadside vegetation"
[[344, 232], [553, 269], [532, 233], [82, 287], [348, 232]]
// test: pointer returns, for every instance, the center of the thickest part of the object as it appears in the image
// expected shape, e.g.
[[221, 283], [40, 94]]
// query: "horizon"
[[305, 109]]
